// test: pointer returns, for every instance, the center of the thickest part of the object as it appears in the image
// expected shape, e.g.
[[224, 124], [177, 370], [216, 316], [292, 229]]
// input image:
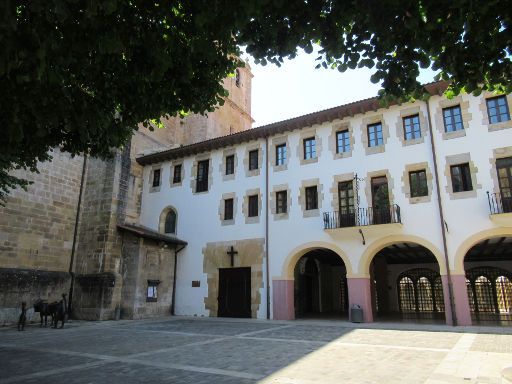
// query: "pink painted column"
[[359, 293], [283, 301], [446, 300], [460, 296]]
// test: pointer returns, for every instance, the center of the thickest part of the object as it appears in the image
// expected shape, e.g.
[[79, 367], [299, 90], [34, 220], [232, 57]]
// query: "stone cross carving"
[[232, 253]]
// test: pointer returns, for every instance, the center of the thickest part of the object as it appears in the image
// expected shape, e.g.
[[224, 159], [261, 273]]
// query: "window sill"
[[499, 126], [454, 134], [154, 189], [463, 195]]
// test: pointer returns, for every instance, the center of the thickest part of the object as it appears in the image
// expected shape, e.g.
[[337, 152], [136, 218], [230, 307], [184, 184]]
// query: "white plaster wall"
[[199, 223]]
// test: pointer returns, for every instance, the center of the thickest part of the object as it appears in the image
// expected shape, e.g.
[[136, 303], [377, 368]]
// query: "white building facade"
[[403, 211]]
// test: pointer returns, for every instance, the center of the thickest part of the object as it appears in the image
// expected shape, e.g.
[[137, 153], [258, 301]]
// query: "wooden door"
[[504, 168], [380, 201], [346, 204], [234, 292]]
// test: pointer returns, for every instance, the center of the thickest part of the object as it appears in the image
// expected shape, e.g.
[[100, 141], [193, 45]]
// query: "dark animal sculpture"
[[23, 317], [59, 311], [43, 308]]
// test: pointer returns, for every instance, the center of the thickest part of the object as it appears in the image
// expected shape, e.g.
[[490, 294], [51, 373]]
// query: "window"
[[311, 198], [309, 148], [461, 177], [452, 119], [253, 160], [228, 209], [177, 174], [375, 137], [497, 109], [281, 154], [281, 202], [418, 183], [202, 176], [156, 177], [412, 127], [152, 293], [342, 141], [230, 164], [253, 205], [170, 222], [237, 78]]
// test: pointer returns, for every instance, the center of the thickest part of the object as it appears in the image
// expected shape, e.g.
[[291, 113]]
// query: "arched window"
[[407, 299], [484, 296], [504, 294], [420, 290], [438, 292], [170, 222], [425, 300]]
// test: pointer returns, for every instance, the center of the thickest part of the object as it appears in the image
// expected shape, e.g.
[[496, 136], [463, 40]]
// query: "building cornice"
[[327, 115]]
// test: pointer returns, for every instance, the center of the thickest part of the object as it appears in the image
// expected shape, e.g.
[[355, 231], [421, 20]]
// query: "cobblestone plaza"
[[197, 350]]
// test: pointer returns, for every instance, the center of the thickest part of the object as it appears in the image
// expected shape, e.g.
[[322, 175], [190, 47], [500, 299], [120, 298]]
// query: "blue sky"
[[297, 88]]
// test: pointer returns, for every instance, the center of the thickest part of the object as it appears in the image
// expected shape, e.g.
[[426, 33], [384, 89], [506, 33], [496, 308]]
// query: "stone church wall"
[[146, 260], [36, 233]]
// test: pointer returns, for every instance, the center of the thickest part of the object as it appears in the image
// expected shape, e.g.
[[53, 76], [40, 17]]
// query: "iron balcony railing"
[[362, 217], [499, 203]]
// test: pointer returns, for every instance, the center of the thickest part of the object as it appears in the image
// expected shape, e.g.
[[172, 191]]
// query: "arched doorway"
[[320, 288], [406, 284], [488, 268]]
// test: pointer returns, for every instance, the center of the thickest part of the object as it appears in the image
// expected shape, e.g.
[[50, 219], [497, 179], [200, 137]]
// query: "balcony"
[[500, 208], [363, 217]]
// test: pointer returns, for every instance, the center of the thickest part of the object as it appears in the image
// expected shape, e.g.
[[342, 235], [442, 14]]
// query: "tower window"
[[237, 78]]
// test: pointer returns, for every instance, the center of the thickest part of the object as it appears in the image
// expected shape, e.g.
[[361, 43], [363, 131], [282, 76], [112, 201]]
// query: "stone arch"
[[163, 216], [378, 245], [294, 256], [473, 240]]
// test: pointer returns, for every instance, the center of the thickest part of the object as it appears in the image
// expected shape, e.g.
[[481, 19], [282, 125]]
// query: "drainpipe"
[[266, 227], [75, 233], [176, 251], [441, 215]]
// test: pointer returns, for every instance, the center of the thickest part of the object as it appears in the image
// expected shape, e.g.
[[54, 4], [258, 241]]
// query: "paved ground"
[[193, 350]]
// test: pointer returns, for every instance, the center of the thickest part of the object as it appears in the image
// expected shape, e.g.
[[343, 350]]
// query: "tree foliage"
[[81, 74]]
